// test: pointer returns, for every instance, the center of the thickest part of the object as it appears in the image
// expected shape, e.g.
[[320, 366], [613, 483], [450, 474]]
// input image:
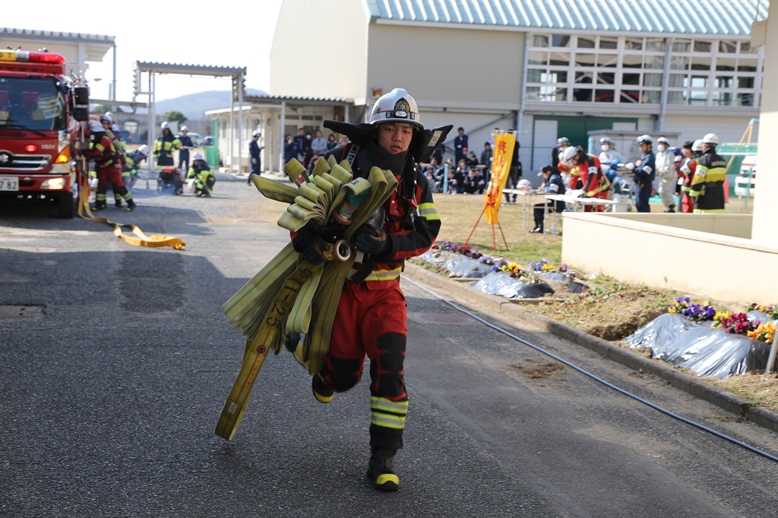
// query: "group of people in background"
[[307, 149], [690, 178], [107, 163], [669, 171], [467, 173]]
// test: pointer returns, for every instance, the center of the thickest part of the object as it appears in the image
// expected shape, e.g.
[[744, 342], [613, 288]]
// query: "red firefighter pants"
[[106, 176], [372, 322]]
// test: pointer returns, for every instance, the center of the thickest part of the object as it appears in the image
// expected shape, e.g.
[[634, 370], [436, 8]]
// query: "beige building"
[[558, 68], [549, 69]]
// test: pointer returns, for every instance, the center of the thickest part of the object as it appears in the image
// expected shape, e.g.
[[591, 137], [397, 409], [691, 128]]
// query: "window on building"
[[560, 41], [609, 43], [585, 43], [623, 69]]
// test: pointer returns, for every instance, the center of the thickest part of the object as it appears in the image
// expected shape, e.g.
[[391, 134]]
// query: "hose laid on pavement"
[[154, 241]]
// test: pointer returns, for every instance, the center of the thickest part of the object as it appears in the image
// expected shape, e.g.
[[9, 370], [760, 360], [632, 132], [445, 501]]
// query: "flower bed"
[[709, 342], [498, 276]]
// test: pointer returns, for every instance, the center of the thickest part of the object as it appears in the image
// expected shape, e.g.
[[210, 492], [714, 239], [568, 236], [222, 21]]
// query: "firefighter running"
[[371, 313], [107, 167]]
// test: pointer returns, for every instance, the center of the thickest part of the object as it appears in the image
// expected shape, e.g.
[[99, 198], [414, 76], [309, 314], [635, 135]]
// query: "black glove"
[[310, 246], [372, 240]]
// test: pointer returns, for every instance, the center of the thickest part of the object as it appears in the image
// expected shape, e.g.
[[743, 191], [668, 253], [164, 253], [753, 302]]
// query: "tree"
[[176, 116], [104, 108]]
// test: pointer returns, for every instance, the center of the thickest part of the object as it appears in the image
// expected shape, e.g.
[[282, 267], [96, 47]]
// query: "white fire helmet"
[[396, 106], [95, 127], [525, 185], [198, 156], [711, 138], [257, 133], [184, 128], [645, 139], [697, 146], [568, 154], [164, 126], [144, 149]]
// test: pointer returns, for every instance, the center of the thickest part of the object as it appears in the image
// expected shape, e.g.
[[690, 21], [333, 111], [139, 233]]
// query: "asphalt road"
[[115, 362]]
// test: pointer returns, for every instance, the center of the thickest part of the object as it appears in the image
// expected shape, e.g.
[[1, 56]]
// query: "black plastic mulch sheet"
[[697, 346], [457, 265], [492, 282], [576, 287], [502, 284]]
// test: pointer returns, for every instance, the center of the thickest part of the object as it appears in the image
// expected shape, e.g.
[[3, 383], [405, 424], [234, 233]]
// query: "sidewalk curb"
[[465, 295]]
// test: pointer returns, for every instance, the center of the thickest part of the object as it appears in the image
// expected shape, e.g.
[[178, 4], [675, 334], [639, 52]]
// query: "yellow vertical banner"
[[501, 164]]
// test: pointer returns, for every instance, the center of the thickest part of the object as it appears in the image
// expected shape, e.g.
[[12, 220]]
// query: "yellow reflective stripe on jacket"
[[604, 185], [387, 413], [704, 175], [428, 210], [379, 275]]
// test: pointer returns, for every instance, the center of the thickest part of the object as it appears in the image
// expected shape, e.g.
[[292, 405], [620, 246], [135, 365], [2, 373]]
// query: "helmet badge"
[[401, 108]]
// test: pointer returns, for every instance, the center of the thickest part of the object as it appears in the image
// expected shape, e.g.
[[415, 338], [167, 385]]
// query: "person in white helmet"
[[608, 155], [371, 313], [186, 145], [665, 171], [132, 161], [164, 146], [202, 177], [562, 143], [688, 166], [254, 154], [644, 173], [565, 163], [707, 186], [107, 167]]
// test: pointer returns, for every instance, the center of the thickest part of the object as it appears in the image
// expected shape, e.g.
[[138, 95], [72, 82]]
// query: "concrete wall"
[[680, 257], [448, 68], [320, 50], [765, 207], [728, 126], [732, 225]]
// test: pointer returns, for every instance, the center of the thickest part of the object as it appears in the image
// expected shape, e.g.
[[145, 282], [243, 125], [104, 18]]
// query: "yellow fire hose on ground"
[[154, 241], [291, 297]]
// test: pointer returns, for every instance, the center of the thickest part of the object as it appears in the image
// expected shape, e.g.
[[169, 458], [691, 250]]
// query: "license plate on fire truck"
[[9, 184]]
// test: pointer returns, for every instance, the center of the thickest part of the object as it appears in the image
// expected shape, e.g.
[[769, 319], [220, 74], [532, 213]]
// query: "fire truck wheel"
[[66, 205]]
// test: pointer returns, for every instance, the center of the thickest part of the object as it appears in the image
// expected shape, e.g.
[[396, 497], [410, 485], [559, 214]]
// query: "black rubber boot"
[[380, 470], [321, 391], [130, 206]]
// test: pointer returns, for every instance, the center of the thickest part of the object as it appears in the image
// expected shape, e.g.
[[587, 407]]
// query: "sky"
[[229, 33]]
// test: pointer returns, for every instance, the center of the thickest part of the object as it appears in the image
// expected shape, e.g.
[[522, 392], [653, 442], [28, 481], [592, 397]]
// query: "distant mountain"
[[194, 106]]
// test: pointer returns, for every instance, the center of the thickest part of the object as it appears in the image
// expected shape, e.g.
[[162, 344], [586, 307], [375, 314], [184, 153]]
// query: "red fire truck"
[[40, 107]]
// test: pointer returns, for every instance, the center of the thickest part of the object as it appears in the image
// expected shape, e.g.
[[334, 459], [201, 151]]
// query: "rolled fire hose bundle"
[[331, 199]]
